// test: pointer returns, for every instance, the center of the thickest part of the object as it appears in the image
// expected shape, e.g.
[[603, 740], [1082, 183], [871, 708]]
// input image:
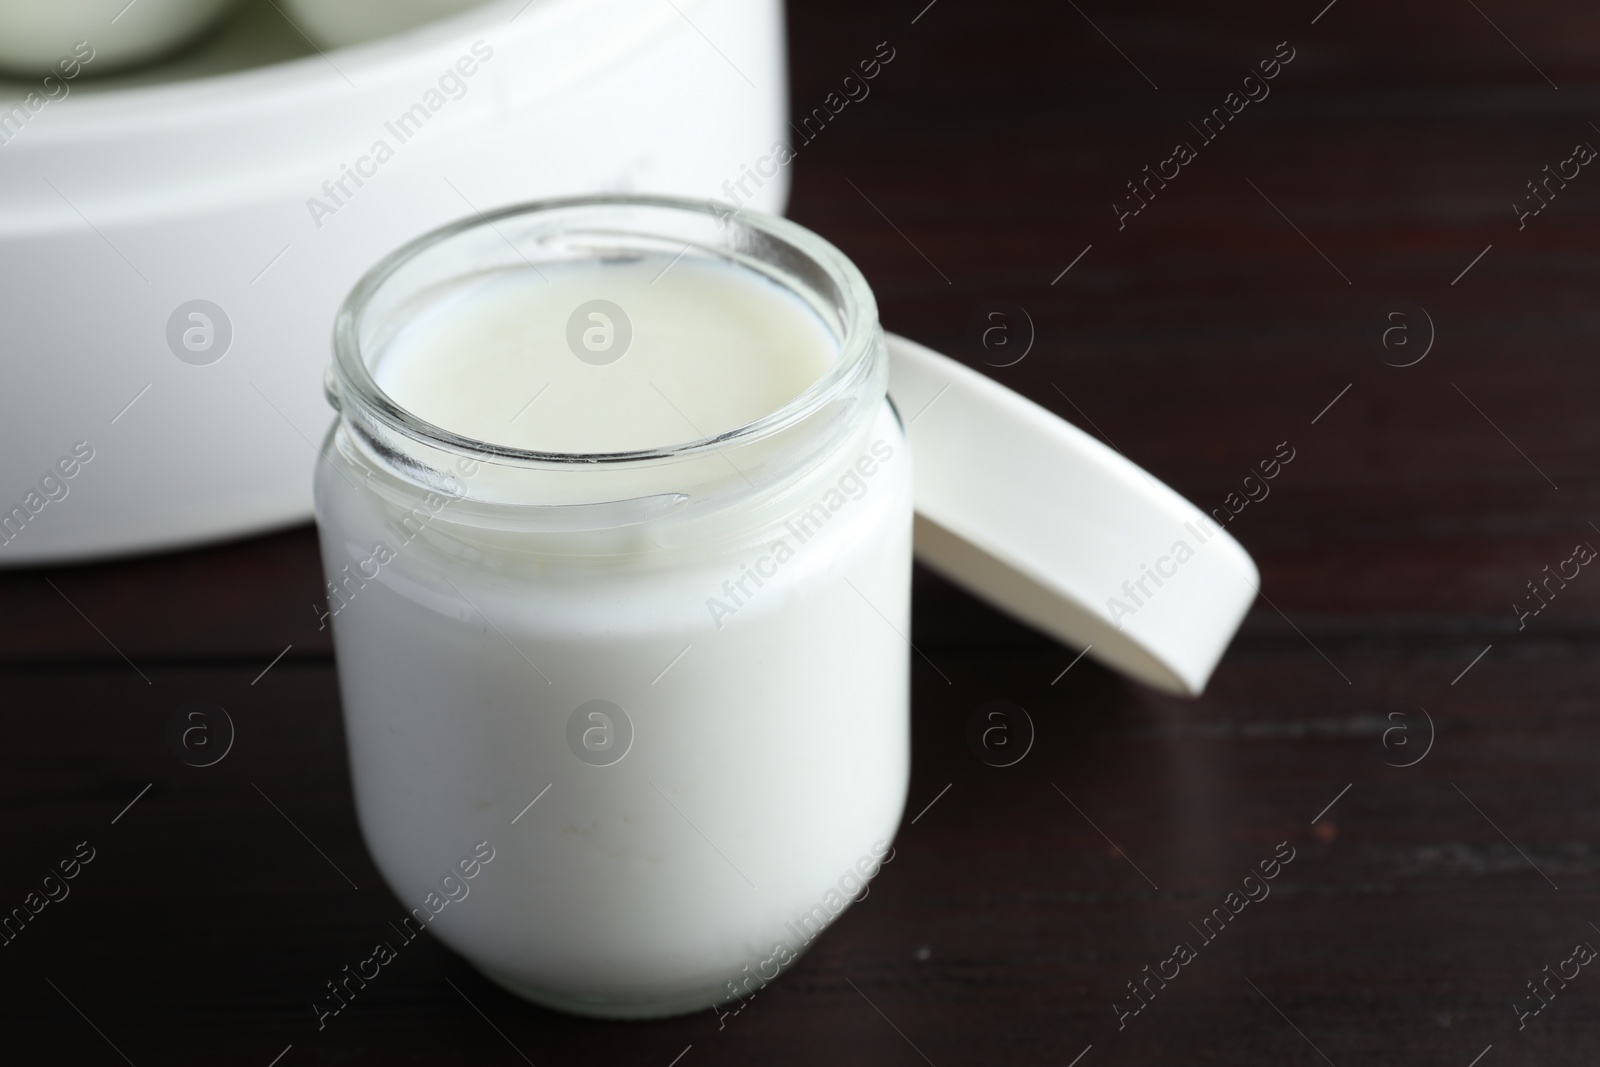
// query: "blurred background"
[[1402, 711]]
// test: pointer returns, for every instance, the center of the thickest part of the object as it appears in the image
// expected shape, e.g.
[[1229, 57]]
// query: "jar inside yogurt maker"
[[616, 520]]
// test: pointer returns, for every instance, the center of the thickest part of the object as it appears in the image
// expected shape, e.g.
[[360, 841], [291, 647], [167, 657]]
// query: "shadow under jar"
[[664, 687]]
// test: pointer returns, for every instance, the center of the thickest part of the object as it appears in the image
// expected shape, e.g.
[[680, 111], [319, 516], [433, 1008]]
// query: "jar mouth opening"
[[351, 384]]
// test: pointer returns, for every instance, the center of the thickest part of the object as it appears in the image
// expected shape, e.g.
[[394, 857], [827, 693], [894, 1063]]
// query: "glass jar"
[[665, 692]]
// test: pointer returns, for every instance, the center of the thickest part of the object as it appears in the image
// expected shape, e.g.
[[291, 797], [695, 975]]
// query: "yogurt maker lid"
[[1034, 516]]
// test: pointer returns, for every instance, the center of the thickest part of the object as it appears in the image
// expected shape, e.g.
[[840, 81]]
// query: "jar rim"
[[351, 380]]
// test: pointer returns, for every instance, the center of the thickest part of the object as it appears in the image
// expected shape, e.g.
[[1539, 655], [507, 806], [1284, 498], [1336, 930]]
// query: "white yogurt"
[[737, 610], [688, 350]]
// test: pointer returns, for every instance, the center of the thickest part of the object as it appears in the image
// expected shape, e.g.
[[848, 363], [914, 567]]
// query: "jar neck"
[[485, 488], [498, 486]]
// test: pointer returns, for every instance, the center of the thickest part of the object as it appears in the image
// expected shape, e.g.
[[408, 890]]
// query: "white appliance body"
[[127, 213]]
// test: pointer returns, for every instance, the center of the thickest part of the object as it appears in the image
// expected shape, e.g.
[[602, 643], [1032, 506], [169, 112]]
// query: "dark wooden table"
[[1226, 316]]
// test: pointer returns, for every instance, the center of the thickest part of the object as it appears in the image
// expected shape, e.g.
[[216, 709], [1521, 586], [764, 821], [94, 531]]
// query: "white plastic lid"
[[1034, 516]]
